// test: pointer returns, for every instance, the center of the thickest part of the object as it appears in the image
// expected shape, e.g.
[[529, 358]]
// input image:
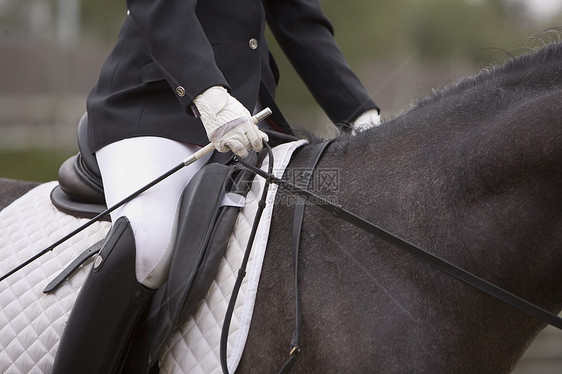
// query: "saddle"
[[204, 229], [207, 215], [80, 189]]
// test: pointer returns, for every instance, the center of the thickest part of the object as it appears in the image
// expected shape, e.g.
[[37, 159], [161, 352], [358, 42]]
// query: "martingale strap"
[[303, 183]]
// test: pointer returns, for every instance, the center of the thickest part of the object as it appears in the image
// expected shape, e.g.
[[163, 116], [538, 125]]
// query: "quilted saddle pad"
[[32, 322]]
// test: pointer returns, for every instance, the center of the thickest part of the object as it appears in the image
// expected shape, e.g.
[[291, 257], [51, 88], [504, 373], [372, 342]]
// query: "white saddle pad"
[[31, 322]]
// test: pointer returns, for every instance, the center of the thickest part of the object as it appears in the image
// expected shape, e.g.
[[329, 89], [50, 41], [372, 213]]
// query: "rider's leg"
[[110, 302], [128, 165], [135, 258]]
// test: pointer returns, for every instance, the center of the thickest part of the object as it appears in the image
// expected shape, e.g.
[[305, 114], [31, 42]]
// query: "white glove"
[[365, 121], [228, 123]]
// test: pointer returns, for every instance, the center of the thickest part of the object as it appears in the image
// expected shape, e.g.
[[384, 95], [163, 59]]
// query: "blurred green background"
[[51, 52]]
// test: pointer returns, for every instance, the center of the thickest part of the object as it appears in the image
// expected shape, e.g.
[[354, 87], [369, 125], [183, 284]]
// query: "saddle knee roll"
[[106, 310]]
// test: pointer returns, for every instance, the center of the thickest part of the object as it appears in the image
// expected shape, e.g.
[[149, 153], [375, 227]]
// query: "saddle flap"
[[204, 228]]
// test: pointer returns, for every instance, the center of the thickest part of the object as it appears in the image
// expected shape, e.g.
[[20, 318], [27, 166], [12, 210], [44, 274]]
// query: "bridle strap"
[[445, 266], [242, 271], [303, 182]]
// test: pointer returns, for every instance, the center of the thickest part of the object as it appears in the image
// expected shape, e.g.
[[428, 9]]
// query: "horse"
[[471, 174], [12, 189]]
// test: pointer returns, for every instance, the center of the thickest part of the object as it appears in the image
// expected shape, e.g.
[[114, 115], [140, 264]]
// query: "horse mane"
[[471, 126], [523, 71], [493, 90]]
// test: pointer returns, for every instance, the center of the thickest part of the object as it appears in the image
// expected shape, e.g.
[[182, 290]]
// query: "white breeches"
[[128, 165]]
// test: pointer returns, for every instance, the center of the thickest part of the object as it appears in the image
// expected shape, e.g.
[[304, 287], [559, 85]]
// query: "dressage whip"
[[188, 161]]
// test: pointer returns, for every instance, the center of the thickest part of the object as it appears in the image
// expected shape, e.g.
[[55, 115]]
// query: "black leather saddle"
[[205, 224], [80, 189]]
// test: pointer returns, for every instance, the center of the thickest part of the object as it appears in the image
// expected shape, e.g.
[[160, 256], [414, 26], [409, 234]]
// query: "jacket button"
[[253, 43], [180, 91]]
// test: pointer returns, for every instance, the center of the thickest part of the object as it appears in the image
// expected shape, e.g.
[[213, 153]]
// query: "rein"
[[297, 228], [245, 259], [357, 221]]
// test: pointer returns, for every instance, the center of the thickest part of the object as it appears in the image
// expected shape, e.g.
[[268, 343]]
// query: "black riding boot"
[[106, 310]]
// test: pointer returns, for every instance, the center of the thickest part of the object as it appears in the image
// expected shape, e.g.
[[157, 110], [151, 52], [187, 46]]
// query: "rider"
[[180, 71]]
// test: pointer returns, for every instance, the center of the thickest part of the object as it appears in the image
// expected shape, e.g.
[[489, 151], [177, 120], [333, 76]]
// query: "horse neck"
[[464, 175], [473, 174]]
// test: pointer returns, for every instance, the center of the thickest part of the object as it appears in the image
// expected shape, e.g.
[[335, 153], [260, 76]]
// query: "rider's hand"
[[365, 121], [228, 123]]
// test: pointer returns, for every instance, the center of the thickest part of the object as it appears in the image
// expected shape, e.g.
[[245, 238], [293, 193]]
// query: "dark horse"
[[472, 174]]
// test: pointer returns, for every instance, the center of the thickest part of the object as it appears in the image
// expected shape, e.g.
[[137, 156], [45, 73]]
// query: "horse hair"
[[471, 174], [523, 71]]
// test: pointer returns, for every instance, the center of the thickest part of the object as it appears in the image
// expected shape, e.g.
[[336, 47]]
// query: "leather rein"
[[305, 195]]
